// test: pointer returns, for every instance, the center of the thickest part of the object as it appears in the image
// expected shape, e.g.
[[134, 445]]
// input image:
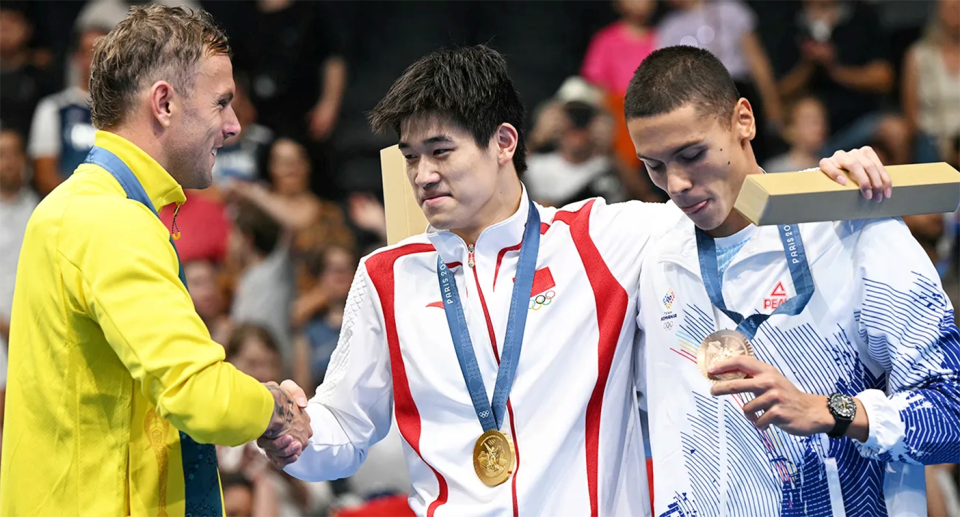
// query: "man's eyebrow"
[[438, 139], [675, 150]]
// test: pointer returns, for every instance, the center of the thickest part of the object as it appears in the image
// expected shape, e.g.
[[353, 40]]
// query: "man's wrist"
[[859, 429], [282, 416]]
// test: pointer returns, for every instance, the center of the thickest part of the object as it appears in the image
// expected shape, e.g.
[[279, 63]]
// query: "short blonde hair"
[[153, 42]]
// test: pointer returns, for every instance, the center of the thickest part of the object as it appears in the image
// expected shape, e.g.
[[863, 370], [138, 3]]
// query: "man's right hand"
[[289, 430]]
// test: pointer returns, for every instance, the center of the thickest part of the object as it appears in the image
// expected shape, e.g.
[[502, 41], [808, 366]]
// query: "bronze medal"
[[494, 457], [722, 344]]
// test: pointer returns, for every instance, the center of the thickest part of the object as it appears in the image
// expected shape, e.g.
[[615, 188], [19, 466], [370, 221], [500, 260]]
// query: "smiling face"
[[459, 185], [698, 160], [205, 120]]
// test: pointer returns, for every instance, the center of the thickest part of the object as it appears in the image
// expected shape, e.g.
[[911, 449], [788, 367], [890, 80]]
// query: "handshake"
[[289, 431]]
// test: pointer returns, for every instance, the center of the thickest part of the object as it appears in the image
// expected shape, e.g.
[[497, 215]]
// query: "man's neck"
[[636, 29], [146, 141], [733, 224], [498, 209]]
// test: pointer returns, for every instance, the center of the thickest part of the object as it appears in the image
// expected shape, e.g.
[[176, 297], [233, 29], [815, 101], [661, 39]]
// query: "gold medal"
[[494, 457], [722, 344]]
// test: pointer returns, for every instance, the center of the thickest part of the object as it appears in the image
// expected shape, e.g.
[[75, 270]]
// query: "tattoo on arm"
[[283, 411]]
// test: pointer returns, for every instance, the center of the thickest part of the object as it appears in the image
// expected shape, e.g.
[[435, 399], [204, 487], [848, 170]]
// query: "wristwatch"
[[843, 408]]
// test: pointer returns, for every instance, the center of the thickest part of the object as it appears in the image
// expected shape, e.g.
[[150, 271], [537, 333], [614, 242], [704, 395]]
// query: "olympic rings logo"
[[541, 300]]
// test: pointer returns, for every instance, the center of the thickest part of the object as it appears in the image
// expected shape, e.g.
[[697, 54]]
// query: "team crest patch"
[[668, 299], [668, 316]]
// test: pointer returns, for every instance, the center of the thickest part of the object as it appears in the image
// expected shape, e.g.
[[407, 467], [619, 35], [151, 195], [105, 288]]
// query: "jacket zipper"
[[174, 229]]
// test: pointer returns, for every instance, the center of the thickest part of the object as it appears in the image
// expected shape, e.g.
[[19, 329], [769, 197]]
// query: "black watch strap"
[[844, 409]]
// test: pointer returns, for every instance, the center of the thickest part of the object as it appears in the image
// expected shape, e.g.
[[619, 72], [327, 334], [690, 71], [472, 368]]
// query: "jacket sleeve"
[[906, 322], [130, 287], [353, 408]]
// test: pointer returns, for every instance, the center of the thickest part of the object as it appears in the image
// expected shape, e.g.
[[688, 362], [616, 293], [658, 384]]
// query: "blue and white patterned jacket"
[[879, 327]]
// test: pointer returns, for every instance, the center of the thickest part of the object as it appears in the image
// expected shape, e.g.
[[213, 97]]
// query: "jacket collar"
[[159, 185], [494, 238], [679, 245]]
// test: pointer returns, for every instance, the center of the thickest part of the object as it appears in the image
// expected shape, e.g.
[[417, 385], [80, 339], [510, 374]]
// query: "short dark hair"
[[673, 76], [253, 222], [467, 86]]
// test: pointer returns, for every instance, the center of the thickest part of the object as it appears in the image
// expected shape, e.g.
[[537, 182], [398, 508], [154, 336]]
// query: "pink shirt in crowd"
[[614, 55]]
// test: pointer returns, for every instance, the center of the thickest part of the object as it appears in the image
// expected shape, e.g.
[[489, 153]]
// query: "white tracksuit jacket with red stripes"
[[572, 412]]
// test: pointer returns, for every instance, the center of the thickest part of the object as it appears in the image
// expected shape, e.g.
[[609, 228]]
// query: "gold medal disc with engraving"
[[721, 345], [494, 457]]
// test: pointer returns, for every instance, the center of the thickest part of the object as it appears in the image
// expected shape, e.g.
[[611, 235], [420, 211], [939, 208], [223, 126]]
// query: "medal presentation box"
[[809, 196], [404, 217]]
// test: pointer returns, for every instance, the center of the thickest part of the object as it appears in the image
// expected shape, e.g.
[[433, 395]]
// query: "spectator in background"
[[319, 311], [245, 498], [298, 79], [931, 85], [806, 131], [208, 298], [243, 155], [17, 202], [312, 222], [580, 168], [61, 134], [107, 13], [265, 283], [252, 349], [613, 55], [368, 219], [728, 30], [22, 83], [836, 50]]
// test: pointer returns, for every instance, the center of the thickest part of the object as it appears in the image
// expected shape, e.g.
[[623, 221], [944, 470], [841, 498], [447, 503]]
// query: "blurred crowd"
[[270, 250]]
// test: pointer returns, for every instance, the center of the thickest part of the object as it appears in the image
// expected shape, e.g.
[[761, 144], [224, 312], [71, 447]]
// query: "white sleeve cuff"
[[886, 428], [329, 453]]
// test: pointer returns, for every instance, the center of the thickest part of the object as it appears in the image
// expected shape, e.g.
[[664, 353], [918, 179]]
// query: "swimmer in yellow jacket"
[[115, 389]]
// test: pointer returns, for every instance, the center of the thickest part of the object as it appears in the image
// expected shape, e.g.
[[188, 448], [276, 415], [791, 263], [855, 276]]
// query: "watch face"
[[843, 406]]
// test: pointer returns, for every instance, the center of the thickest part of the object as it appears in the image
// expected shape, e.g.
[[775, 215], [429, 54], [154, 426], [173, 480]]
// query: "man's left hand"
[[864, 167], [782, 404]]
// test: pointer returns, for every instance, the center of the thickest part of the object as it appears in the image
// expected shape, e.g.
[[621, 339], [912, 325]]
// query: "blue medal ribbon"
[[799, 272], [491, 415]]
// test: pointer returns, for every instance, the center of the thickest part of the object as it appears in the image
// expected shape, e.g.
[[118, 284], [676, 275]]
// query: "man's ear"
[[163, 102], [506, 139], [744, 123]]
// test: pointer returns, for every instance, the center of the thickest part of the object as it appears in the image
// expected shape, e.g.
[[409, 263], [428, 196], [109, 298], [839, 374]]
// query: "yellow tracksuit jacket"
[[114, 382]]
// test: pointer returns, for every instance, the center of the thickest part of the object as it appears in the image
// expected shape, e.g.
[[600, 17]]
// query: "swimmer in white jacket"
[[805, 369]]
